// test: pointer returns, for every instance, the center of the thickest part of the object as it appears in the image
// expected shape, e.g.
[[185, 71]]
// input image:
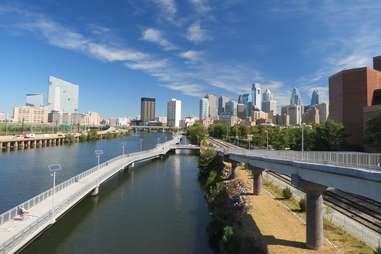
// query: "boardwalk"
[[16, 232]]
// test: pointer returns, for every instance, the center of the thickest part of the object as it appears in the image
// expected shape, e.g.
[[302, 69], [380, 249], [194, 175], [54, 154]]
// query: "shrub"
[[302, 205], [286, 193], [378, 250], [229, 242]]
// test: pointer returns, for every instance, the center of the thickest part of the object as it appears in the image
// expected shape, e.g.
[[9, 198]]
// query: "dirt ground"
[[280, 231]]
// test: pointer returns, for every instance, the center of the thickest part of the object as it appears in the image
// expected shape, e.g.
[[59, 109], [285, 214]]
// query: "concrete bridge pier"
[[257, 180], [95, 191], [314, 211]]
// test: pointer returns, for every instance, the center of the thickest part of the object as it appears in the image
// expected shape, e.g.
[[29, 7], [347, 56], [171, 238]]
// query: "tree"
[[218, 130], [330, 136], [197, 133], [373, 132]]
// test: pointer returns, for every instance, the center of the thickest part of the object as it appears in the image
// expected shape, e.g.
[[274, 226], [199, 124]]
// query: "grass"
[[345, 242]]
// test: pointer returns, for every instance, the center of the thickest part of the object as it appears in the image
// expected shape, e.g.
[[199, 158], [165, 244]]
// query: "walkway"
[[15, 232]]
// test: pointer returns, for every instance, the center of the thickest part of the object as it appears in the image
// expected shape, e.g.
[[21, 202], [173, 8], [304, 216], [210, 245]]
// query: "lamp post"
[[141, 144], [98, 154], [6, 124], [267, 139], [54, 168], [302, 140], [123, 148]]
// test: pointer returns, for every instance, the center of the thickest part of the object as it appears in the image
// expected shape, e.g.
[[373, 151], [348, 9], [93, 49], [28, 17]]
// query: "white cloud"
[[201, 6], [191, 55], [149, 66], [168, 8], [155, 36], [187, 89], [197, 34]]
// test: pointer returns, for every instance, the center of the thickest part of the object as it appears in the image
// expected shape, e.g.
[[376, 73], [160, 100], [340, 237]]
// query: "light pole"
[[6, 124], [141, 144], [302, 140], [123, 148], [267, 139], [53, 168], [98, 154]]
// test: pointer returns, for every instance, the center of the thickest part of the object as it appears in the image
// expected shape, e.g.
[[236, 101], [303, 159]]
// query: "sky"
[[118, 51]]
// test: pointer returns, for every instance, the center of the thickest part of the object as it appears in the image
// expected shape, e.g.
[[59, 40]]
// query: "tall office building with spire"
[[256, 95], [315, 97], [268, 102], [296, 99]]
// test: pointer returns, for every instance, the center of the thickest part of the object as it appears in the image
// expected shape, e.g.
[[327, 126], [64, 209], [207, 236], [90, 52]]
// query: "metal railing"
[[346, 159]]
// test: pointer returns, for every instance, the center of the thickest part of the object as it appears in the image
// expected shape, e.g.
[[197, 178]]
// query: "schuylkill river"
[[157, 207]]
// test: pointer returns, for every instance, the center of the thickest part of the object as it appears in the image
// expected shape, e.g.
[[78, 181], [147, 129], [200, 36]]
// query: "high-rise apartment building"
[[204, 109], [315, 97], [62, 95], [31, 115], [349, 92], [34, 100], [242, 111], [213, 114], [174, 113], [147, 109], [256, 95], [295, 114], [296, 99], [246, 98], [222, 100]]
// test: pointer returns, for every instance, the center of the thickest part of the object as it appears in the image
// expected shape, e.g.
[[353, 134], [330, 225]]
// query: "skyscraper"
[[174, 113], [315, 97], [213, 114], [204, 108], [256, 95], [231, 107], [246, 98], [147, 109], [267, 95], [62, 95], [34, 100], [296, 99], [268, 102], [222, 104]]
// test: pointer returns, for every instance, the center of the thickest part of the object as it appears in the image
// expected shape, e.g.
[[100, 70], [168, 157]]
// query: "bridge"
[[23, 223], [149, 128], [13, 142], [313, 173]]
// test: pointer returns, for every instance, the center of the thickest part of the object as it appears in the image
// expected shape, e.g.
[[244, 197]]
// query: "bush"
[[378, 250], [286, 193], [302, 205], [229, 242]]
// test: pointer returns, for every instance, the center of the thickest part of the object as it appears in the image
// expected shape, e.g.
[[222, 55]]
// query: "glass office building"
[[62, 96]]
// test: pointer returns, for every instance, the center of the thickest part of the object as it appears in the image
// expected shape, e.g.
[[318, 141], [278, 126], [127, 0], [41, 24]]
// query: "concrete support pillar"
[[15, 145], [22, 145], [257, 181], [8, 145], [95, 191], [314, 212], [28, 144], [45, 142], [1, 146], [34, 143]]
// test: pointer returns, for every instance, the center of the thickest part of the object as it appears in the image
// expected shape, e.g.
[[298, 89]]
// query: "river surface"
[[155, 207]]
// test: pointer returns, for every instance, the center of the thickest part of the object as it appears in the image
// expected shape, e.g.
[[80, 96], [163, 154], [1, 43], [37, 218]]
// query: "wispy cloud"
[[201, 6], [155, 36], [197, 34], [168, 7], [187, 89], [191, 55]]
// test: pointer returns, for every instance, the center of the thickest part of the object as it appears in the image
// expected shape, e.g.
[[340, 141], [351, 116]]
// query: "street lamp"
[[53, 168], [98, 154], [123, 148], [302, 127], [267, 139], [141, 144]]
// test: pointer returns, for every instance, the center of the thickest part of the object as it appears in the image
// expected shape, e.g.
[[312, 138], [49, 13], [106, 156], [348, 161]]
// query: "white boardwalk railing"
[[16, 230]]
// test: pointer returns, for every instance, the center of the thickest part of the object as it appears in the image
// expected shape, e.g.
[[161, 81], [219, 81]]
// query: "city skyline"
[[162, 49]]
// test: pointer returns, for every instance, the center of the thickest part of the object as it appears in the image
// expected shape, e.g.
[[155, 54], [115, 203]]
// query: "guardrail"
[[346, 159], [43, 220]]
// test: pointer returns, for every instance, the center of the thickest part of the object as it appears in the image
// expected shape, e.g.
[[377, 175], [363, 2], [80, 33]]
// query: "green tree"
[[218, 130], [373, 132], [197, 133], [330, 136]]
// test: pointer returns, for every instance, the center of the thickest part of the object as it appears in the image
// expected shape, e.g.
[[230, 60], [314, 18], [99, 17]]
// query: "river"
[[155, 207]]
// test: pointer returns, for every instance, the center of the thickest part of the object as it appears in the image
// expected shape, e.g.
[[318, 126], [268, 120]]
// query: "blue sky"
[[120, 50]]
